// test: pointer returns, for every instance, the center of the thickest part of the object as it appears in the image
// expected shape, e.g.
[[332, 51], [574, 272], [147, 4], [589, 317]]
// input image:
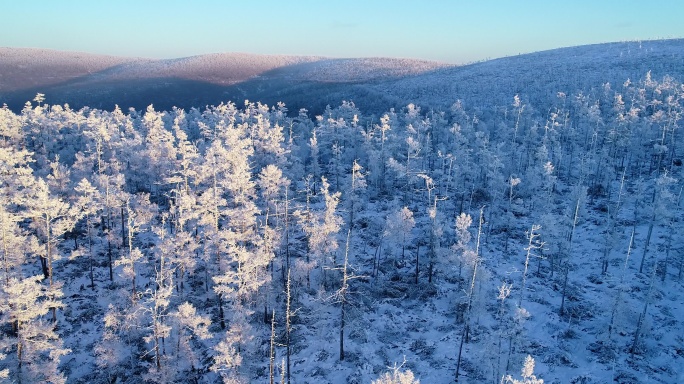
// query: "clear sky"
[[445, 30]]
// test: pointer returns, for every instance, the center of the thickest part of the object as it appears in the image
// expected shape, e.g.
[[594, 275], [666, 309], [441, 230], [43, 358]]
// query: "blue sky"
[[444, 30]]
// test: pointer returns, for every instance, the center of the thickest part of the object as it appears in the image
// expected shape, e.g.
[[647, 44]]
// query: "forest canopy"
[[246, 242]]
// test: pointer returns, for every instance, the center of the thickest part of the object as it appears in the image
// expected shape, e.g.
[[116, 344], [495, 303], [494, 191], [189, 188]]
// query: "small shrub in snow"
[[397, 376]]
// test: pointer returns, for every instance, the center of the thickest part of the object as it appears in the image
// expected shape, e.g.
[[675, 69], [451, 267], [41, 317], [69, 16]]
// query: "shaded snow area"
[[363, 70], [534, 238]]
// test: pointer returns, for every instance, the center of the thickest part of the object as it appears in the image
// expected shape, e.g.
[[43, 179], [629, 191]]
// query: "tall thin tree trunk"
[[123, 231], [288, 322], [109, 255], [646, 244], [530, 247], [466, 326], [287, 231], [92, 262], [668, 247], [343, 293], [53, 310], [271, 360], [642, 315], [619, 293], [417, 266], [567, 263]]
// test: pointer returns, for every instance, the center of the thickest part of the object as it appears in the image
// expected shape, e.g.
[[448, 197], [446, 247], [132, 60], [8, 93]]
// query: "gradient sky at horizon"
[[442, 30]]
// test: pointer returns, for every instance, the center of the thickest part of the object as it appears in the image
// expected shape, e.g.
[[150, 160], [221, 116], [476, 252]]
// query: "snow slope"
[[79, 79], [314, 82], [22, 68], [560, 148], [541, 75]]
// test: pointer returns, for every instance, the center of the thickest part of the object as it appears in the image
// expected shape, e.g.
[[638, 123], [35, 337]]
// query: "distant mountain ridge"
[[98, 80], [22, 68], [312, 82]]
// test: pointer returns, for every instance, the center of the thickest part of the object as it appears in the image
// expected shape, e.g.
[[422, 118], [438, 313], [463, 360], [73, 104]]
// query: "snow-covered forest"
[[538, 239]]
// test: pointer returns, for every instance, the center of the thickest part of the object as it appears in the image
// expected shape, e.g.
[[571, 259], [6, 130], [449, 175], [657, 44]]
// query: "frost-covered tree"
[[35, 342], [116, 352], [504, 292], [52, 218], [436, 252], [399, 226], [533, 244], [358, 184], [189, 326], [160, 152], [183, 177], [660, 210], [322, 227], [464, 223], [462, 249], [272, 184], [16, 175], [157, 301], [342, 296], [527, 374], [244, 268], [89, 204], [111, 189], [579, 197], [509, 215], [408, 169], [268, 138], [228, 353], [275, 227], [378, 156], [14, 245], [138, 213]]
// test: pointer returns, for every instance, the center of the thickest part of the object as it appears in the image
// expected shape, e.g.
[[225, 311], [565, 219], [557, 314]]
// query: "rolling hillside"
[[313, 82], [102, 81]]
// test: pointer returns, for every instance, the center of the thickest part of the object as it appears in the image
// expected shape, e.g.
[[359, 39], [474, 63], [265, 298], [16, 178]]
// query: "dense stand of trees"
[[194, 235]]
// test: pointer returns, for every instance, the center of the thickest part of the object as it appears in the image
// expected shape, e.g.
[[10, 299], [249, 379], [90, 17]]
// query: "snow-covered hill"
[[314, 82], [541, 75], [29, 68], [79, 78], [540, 215]]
